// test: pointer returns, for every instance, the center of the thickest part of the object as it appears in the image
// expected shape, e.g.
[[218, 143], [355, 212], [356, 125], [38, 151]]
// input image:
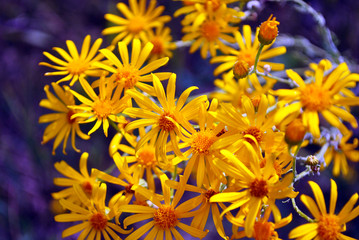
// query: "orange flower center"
[[215, 4], [315, 98], [258, 188], [87, 187], [255, 132], [166, 122], [77, 66], [209, 194], [128, 189], [136, 24], [147, 157], [210, 30], [98, 221], [165, 217], [247, 55], [102, 108], [264, 231], [202, 141], [158, 46], [127, 76], [69, 114], [328, 227]]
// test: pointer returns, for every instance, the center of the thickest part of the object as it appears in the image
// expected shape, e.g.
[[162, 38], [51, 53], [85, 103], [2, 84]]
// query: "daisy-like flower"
[[162, 43], [341, 154], [252, 128], [206, 191], [326, 225], [100, 107], [124, 179], [74, 65], [198, 12], [319, 96], [145, 160], [93, 216], [247, 51], [130, 74], [232, 89], [62, 125], [199, 147], [170, 119], [137, 20], [257, 186], [165, 218], [264, 229], [72, 177], [209, 36]]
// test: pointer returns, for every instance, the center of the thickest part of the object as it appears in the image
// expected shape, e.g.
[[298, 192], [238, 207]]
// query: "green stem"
[[114, 125], [295, 177], [282, 80], [257, 58]]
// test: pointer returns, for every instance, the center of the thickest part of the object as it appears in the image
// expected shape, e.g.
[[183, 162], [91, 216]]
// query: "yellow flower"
[[75, 66], [232, 89], [252, 128], [206, 191], [62, 125], [130, 179], [257, 186], [264, 229], [319, 97], [100, 107], [169, 120], [209, 36], [138, 20], [247, 51], [93, 215], [199, 147], [165, 218], [341, 154], [86, 181], [162, 43], [145, 160], [198, 12], [326, 225], [130, 74]]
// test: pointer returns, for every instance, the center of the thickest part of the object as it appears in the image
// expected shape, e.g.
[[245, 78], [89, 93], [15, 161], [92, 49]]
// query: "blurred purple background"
[[29, 27]]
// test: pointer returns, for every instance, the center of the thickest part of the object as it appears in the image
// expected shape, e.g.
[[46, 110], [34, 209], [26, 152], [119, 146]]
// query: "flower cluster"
[[177, 157]]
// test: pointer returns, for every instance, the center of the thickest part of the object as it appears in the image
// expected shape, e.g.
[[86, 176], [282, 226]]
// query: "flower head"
[[268, 31], [132, 74], [170, 119], [162, 43], [62, 123], [101, 107], [326, 225], [75, 65], [92, 214], [86, 181], [137, 21], [165, 219], [321, 96], [247, 51]]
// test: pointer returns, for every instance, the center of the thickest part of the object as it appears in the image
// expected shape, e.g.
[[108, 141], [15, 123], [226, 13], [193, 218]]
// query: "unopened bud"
[[295, 132], [256, 99], [268, 31], [312, 161], [241, 69]]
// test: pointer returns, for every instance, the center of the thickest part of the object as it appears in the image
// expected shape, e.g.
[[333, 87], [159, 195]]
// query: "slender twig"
[[261, 46]]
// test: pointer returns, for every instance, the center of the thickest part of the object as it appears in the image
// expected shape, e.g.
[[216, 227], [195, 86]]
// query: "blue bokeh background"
[[29, 27]]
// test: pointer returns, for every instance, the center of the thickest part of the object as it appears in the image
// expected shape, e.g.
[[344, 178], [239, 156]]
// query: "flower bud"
[[241, 69], [268, 31], [295, 132]]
